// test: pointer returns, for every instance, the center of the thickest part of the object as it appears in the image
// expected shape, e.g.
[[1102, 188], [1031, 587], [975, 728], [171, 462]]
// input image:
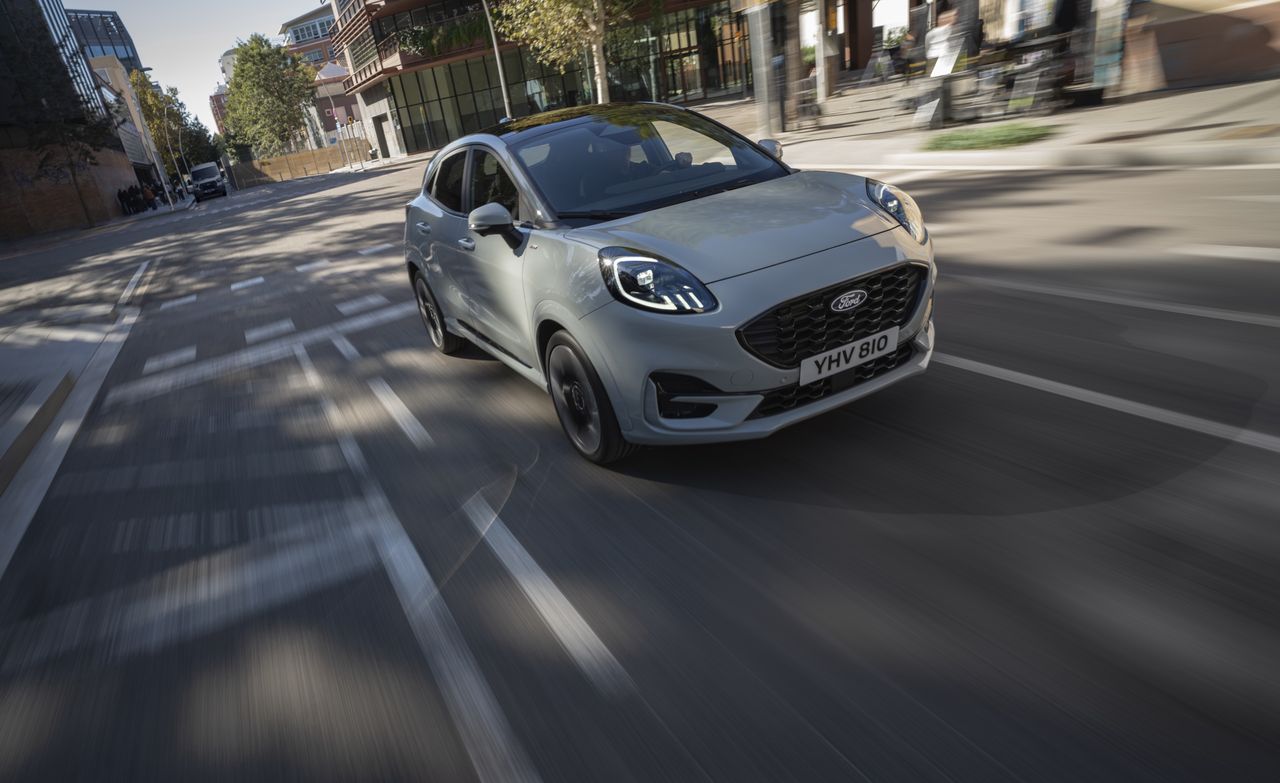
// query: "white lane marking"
[[274, 329], [345, 348], [167, 360], [1214, 429], [308, 368], [363, 303], [27, 489], [494, 749], [133, 283], [1234, 252], [408, 423], [312, 265], [1235, 316], [252, 356], [178, 302], [574, 634], [368, 251], [246, 283]]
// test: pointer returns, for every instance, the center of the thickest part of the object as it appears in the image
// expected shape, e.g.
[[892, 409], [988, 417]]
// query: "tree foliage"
[[440, 38], [181, 139], [559, 31], [268, 95]]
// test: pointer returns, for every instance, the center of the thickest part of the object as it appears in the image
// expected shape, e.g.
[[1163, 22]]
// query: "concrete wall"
[[374, 103], [1187, 43], [33, 201]]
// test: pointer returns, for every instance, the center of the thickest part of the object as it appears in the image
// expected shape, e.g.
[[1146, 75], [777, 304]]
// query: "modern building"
[[73, 62], [334, 107], [227, 65], [415, 101], [218, 105], [48, 91], [102, 34], [308, 36], [142, 151]]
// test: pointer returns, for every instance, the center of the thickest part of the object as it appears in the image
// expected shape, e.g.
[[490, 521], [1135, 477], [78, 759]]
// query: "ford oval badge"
[[848, 300]]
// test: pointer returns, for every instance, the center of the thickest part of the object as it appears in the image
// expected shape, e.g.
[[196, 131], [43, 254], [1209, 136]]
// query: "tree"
[[64, 128], [175, 131], [558, 31], [268, 95]]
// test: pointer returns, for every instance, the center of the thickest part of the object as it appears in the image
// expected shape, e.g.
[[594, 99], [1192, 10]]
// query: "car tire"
[[581, 403], [445, 341]]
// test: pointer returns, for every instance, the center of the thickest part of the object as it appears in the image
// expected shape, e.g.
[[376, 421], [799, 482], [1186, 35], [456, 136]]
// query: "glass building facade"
[[73, 58], [677, 56], [101, 33]]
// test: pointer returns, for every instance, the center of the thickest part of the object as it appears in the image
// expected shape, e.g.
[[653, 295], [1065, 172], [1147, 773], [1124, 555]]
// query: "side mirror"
[[492, 218], [771, 146]]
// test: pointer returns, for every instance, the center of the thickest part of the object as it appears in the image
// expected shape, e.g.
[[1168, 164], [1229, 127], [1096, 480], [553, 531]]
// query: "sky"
[[181, 40]]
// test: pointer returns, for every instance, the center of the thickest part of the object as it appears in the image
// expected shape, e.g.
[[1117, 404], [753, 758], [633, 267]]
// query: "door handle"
[[423, 228], [467, 244]]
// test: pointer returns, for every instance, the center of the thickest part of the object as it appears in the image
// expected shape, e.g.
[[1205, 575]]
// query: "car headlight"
[[900, 207], [651, 283]]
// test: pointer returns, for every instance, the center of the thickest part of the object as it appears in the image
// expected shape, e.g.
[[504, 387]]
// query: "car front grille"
[[807, 326], [788, 397]]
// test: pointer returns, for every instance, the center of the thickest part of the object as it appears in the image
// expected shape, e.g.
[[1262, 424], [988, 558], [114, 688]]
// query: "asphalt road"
[[292, 542]]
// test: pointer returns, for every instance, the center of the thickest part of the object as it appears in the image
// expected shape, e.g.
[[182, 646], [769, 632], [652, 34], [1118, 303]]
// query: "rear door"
[[435, 226], [495, 284]]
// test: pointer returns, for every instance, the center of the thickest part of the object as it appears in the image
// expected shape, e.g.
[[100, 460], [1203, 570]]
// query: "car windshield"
[[627, 159], [203, 173]]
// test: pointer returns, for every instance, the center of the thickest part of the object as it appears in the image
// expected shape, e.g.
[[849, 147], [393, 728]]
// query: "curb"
[[1100, 155], [20, 434]]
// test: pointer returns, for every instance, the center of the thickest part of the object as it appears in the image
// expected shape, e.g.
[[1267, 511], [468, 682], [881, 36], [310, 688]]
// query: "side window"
[[446, 189], [490, 182]]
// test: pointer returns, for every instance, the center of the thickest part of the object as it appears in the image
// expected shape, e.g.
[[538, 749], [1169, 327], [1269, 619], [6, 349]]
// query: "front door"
[[380, 130], [435, 232], [496, 283]]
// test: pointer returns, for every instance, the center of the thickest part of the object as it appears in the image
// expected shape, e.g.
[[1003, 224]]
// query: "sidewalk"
[[867, 126], [40, 241]]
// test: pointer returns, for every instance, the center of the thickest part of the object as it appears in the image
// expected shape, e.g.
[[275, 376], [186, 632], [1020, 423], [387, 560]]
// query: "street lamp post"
[[169, 143], [497, 56]]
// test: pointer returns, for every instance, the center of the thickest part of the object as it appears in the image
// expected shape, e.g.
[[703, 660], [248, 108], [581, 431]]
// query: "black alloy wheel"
[[581, 402], [444, 341]]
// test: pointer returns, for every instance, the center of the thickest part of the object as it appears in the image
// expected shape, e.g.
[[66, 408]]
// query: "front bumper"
[[629, 345]]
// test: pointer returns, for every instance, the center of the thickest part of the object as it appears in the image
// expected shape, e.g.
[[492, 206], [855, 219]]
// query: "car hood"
[[750, 228]]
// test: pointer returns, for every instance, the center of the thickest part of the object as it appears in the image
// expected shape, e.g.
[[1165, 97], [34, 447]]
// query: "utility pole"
[[168, 143], [497, 56], [760, 35]]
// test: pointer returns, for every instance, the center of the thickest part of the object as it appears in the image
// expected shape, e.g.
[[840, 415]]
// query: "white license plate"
[[846, 357]]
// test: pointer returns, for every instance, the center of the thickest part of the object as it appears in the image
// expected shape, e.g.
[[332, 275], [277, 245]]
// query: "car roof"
[[520, 129]]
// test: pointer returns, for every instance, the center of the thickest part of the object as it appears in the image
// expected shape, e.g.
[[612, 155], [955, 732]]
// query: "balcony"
[[443, 40]]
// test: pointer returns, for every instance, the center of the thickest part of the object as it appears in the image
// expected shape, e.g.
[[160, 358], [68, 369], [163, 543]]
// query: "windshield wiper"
[[597, 214]]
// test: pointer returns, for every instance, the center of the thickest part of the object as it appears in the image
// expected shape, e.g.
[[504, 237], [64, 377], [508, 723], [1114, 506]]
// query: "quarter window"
[[491, 183], [447, 187]]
